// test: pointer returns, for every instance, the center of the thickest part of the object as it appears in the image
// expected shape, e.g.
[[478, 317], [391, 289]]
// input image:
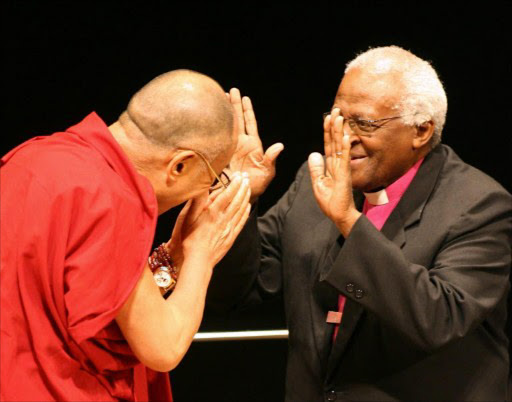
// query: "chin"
[[365, 186], [360, 183]]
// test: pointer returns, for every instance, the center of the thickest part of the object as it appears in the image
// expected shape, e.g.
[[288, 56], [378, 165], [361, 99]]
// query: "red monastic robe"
[[77, 225]]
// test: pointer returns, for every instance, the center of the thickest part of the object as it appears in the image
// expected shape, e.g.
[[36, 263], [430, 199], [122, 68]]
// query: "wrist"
[[165, 271], [200, 259], [348, 221]]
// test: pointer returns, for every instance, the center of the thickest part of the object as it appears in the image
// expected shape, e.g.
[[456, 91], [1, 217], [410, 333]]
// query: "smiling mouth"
[[356, 161]]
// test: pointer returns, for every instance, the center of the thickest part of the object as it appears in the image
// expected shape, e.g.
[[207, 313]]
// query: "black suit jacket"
[[426, 297]]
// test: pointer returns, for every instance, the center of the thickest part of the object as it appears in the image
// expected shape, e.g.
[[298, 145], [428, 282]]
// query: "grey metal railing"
[[240, 335]]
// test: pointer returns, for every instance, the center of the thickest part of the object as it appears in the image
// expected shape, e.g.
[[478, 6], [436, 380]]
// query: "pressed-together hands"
[[249, 156], [331, 180], [159, 331], [209, 224]]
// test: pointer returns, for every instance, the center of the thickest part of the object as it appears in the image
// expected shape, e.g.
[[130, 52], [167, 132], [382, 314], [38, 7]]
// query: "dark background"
[[64, 59]]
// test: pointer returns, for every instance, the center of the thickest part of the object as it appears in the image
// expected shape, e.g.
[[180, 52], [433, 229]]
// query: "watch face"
[[162, 277]]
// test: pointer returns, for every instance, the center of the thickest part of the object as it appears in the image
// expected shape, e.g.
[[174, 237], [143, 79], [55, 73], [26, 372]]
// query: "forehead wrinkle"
[[373, 102], [356, 106]]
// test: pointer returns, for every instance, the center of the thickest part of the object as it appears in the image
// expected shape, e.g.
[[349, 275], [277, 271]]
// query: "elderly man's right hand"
[[249, 156], [331, 179]]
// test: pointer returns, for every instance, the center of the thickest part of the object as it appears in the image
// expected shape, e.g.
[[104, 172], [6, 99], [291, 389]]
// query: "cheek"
[[371, 172]]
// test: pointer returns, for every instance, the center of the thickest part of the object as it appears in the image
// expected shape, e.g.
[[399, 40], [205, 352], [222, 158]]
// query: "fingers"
[[197, 206], [232, 230], [236, 101], [251, 126], [182, 217], [316, 167], [271, 154], [335, 114], [239, 206], [241, 222], [239, 218], [337, 135], [215, 193], [225, 197], [327, 136], [240, 200], [345, 150]]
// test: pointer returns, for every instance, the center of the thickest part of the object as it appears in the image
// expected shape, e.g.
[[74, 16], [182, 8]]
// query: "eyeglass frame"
[[370, 122], [217, 177]]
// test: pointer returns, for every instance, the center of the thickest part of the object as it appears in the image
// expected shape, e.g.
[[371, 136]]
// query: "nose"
[[347, 130]]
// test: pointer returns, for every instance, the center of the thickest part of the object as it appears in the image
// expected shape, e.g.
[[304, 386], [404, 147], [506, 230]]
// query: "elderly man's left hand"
[[249, 156], [332, 184]]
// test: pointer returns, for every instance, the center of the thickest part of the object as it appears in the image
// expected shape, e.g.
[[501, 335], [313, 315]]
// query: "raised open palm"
[[249, 156], [331, 180]]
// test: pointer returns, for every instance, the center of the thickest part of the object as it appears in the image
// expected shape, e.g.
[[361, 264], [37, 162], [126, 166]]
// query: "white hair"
[[424, 98]]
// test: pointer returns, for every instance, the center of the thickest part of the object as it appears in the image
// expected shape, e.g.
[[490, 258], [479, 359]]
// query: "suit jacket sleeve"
[[436, 304], [251, 271]]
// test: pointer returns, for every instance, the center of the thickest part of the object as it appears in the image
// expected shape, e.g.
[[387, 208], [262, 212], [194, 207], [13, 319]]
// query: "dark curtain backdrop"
[[65, 59]]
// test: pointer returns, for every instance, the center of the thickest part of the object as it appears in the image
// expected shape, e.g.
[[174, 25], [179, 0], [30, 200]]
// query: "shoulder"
[[465, 184], [66, 167], [466, 199]]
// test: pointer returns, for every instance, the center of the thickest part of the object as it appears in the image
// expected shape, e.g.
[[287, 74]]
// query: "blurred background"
[[64, 59]]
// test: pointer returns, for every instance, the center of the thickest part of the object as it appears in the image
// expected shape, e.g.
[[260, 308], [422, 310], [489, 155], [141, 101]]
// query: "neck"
[[133, 150], [142, 159]]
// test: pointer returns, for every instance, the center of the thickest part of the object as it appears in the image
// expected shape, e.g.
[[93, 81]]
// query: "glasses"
[[365, 127], [221, 179]]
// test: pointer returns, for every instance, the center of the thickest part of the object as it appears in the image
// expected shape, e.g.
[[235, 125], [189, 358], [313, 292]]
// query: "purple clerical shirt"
[[378, 214]]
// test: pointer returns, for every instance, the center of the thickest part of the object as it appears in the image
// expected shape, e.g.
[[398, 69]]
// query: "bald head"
[[181, 109]]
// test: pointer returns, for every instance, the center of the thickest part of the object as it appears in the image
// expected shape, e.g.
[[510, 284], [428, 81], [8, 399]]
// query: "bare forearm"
[[186, 303], [160, 331]]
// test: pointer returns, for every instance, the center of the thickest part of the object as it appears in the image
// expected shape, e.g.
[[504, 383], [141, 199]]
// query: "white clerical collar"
[[378, 197]]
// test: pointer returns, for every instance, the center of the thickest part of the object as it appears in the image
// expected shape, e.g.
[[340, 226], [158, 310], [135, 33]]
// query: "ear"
[[423, 134], [179, 164]]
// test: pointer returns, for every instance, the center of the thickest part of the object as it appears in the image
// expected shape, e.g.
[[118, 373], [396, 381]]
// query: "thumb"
[[316, 167], [182, 217], [198, 205], [272, 153]]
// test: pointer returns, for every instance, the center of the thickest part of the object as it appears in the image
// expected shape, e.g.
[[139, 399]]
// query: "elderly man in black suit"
[[392, 254]]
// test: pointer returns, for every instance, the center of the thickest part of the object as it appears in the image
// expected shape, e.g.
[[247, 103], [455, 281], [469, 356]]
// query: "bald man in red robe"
[[82, 317]]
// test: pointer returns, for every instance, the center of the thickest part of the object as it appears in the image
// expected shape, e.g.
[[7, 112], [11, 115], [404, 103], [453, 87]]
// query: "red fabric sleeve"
[[109, 242]]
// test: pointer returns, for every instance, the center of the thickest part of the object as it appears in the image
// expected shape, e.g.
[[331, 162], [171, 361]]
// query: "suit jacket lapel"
[[411, 205], [407, 212]]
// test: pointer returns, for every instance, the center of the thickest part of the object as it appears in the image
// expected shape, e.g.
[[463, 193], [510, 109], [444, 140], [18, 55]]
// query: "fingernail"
[[245, 174], [245, 181]]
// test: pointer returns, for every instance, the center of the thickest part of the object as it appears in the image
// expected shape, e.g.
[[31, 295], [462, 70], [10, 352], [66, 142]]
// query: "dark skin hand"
[[331, 179]]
